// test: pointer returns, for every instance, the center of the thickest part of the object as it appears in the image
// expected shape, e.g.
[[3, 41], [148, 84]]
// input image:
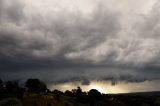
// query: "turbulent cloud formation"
[[61, 35], [69, 42]]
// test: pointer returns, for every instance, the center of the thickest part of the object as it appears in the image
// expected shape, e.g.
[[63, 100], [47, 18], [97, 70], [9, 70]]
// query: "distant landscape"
[[35, 93]]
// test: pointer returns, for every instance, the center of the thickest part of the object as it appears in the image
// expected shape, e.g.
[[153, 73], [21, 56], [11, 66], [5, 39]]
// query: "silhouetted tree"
[[12, 88], [74, 91], [57, 94], [68, 93], [2, 90], [35, 85], [1, 83], [94, 95], [79, 95], [48, 91], [12, 85], [78, 91]]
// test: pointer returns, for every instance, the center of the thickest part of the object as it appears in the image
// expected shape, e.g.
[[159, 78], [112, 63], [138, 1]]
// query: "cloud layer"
[[104, 42]]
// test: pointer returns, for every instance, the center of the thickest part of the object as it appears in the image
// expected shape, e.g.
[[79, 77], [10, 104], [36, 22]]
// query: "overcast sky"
[[68, 41]]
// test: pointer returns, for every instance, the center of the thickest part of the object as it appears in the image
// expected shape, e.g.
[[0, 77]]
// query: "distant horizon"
[[120, 87], [67, 87]]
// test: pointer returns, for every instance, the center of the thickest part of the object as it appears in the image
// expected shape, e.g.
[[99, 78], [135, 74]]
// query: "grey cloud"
[[83, 75], [125, 78], [86, 82], [93, 46], [82, 80], [65, 33], [11, 11], [148, 25], [147, 29]]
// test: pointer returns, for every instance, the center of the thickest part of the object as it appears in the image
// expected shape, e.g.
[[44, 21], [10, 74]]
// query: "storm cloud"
[[65, 43]]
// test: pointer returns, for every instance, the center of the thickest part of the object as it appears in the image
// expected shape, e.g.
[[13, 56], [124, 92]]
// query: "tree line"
[[19, 95], [12, 89]]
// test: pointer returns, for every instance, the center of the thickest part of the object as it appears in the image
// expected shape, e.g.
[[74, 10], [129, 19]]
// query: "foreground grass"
[[50, 99]]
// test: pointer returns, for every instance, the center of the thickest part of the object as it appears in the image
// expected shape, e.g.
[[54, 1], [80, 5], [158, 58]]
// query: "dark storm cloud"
[[124, 78], [64, 46], [111, 78], [35, 39], [83, 80]]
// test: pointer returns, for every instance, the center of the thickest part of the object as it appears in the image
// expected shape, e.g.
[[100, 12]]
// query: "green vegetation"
[[35, 93]]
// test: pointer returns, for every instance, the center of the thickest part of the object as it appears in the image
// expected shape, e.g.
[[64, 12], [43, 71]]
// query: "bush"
[[10, 102]]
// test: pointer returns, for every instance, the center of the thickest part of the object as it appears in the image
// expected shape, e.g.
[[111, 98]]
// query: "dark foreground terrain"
[[35, 93]]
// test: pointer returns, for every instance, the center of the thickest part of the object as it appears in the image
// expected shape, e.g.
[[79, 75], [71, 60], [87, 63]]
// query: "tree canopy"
[[35, 85]]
